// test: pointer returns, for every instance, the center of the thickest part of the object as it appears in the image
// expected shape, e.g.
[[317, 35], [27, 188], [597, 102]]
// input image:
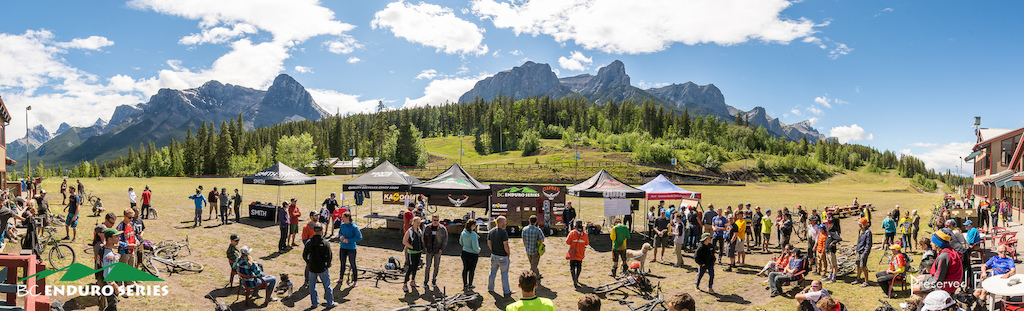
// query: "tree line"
[[649, 131]]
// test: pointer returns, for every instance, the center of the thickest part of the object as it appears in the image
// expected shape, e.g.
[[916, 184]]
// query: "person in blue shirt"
[[972, 236], [1001, 266], [889, 225], [348, 234], [720, 224], [200, 201]]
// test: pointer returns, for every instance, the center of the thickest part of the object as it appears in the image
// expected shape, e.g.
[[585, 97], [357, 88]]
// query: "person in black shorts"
[[733, 238], [661, 236]]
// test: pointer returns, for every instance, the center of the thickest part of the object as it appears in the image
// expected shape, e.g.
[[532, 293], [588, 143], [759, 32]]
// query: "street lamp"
[[28, 162]]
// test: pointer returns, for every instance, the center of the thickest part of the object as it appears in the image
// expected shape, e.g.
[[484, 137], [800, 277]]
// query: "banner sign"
[[457, 200], [616, 207], [397, 198], [518, 202]]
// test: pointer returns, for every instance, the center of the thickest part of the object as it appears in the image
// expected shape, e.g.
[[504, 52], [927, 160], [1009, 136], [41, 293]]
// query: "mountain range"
[[168, 114], [612, 84]]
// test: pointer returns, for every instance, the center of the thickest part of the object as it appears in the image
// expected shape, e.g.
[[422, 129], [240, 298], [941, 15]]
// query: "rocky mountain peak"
[[607, 77], [288, 99], [530, 79], [60, 129]]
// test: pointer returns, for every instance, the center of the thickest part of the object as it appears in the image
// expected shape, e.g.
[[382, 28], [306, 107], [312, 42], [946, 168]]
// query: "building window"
[[1008, 147]]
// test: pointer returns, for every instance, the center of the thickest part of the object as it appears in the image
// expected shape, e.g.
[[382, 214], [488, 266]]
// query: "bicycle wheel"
[[408, 308], [609, 287], [61, 256], [191, 266], [147, 264], [462, 298]]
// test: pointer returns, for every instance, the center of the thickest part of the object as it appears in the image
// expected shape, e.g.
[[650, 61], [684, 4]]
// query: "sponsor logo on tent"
[[518, 192], [453, 180], [381, 174], [551, 192], [458, 202], [609, 183]]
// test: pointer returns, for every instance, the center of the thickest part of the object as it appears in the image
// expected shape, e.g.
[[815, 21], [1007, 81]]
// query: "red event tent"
[[660, 188]]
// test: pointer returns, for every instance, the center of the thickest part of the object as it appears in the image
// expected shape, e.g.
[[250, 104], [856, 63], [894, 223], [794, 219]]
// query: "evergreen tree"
[[209, 148], [225, 148], [199, 150]]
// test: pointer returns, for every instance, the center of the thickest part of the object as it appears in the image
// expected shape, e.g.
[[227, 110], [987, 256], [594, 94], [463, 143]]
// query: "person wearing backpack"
[[317, 254]]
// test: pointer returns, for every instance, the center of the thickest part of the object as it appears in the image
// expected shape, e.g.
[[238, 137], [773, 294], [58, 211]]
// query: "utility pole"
[[28, 162]]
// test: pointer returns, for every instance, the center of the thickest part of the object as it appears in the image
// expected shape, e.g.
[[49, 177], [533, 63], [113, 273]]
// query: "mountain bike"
[[633, 279], [58, 254], [657, 304], [885, 306], [172, 266], [444, 303], [172, 249]]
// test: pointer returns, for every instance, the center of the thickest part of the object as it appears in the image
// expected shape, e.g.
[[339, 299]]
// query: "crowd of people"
[[706, 236]]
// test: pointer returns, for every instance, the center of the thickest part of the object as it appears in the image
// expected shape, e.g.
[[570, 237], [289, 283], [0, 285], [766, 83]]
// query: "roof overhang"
[[972, 155]]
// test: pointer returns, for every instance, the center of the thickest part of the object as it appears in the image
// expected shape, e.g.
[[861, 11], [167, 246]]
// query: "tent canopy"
[[279, 175], [604, 185], [660, 188], [384, 177], [455, 180]]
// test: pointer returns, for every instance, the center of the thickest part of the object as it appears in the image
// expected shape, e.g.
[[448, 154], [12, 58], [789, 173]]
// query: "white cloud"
[[850, 133], [815, 110], [303, 69], [575, 61], [839, 50], [644, 85], [944, 157], [924, 145], [822, 100], [295, 20], [427, 74], [462, 70], [335, 102], [431, 25], [344, 45], [33, 62], [442, 91], [90, 43], [516, 52], [883, 11], [839, 101], [648, 26], [353, 60], [796, 111], [218, 35], [813, 121]]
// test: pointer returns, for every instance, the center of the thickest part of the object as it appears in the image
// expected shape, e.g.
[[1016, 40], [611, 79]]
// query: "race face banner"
[[518, 202], [457, 200]]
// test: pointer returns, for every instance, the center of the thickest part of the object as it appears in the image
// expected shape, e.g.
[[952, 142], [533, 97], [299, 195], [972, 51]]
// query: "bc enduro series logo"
[[119, 272]]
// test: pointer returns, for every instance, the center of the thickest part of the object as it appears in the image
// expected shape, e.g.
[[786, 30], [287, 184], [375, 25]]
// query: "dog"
[[286, 286], [640, 255]]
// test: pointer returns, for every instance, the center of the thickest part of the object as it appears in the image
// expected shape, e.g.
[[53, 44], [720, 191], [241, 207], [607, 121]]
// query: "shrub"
[[530, 143]]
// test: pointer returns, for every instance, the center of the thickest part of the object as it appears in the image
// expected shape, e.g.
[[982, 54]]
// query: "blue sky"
[[902, 75]]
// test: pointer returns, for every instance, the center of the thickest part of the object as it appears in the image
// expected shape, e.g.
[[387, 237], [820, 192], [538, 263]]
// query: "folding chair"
[[260, 284]]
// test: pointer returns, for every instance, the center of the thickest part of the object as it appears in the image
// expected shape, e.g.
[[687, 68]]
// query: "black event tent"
[[384, 177], [279, 175], [604, 185], [453, 181]]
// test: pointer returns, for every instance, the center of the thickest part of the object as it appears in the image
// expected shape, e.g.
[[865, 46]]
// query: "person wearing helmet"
[[863, 249], [897, 266]]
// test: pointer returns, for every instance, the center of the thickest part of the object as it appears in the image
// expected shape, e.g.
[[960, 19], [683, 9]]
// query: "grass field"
[[736, 291]]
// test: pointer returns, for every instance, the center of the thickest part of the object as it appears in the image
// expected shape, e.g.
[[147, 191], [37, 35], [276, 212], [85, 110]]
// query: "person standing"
[[786, 229], [812, 237], [64, 191], [43, 209], [708, 219], [906, 228], [679, 233], [704, 257], [293, 221], [766, 231], [732, 239], [200, 201], [126, 249], [721, 224], [283, 224], [81, 187], [213, 197], [318, 258], [307, 231], [661, 237], [578, 240], [528, 282], [863, 248], [413, 242], [889, 224], [470, 242], [756, 219], [237, 200], [108, 258], [741, 237], [619, 236], [693, 224], [435, 239], [232, 255], [131, 196], [349, 235], [532, 238], [497, 242], [568, 216], [74, 202], [147, 202], [225, 203], [330, 204], [915, 227], [831, 247]]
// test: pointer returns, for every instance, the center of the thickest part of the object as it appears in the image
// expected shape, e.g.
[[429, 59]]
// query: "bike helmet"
[[393, 264], [634, 264]]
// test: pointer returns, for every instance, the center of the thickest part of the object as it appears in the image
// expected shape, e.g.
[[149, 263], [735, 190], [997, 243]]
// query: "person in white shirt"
[[131, 197], [811, 295]]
